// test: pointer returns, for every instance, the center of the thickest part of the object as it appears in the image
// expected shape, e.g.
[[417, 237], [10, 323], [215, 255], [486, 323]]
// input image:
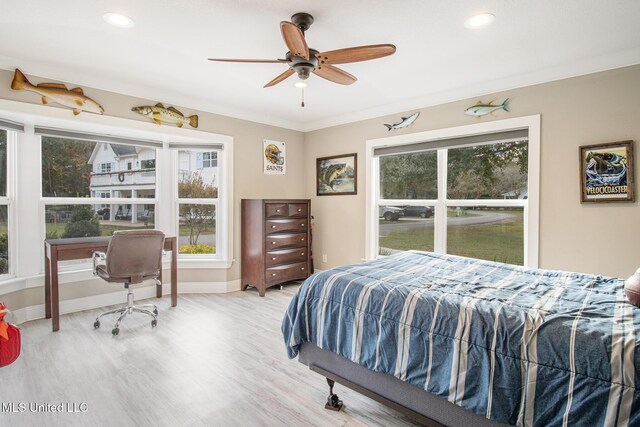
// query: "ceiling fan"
[[303, 60]]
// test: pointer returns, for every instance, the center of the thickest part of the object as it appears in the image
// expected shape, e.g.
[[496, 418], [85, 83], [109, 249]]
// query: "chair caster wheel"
[[154, 323], [96, 324], [115, 331], [155, 311]]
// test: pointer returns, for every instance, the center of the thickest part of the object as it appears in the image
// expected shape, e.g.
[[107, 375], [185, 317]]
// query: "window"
[[74, 195], [4, 204], [206, 159], [148, 164], [468, 196], [197, 202]]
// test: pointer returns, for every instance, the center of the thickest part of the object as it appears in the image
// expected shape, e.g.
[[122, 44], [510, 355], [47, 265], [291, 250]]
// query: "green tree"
[[65, 168], [409, 176], [195, 216], [4, 253], [486, 163], [83, 222]]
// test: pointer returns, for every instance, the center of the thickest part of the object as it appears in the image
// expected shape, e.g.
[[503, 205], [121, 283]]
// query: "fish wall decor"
[[159, 114], [481, 109], [404, 122], [58, 93]]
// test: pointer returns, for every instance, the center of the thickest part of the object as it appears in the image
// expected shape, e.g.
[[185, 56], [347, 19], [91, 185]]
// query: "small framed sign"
[[275, 157], [337, 175], [607, 172]]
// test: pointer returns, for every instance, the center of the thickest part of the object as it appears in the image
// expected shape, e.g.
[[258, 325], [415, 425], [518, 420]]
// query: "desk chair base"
[[148, 309]]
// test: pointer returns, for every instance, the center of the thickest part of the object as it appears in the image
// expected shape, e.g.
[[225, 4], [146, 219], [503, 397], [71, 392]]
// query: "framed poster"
[[607, 172], [274, 155], [337, 175]]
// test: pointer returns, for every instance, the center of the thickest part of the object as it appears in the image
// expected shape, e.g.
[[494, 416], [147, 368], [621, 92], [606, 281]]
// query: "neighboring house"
[[130, 172]]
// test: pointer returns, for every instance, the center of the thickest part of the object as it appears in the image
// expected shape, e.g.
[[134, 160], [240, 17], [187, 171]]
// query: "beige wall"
[[248, 180], [601, 238], [596, 108]]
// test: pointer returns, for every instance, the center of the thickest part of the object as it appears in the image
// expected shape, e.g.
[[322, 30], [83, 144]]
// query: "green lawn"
[[501, 241], [108, 230]]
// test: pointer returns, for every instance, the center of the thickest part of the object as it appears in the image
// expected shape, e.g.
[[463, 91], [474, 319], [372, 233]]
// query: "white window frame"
[[96, 200], [531, 205], [26, 241], [105, 167], [201, 260], [208, 163], [9, 201]]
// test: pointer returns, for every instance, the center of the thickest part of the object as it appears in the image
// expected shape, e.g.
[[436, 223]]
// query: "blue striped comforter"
[[517, 345]]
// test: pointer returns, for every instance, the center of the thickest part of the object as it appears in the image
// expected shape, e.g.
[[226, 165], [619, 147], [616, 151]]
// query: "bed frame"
[[419, 405]]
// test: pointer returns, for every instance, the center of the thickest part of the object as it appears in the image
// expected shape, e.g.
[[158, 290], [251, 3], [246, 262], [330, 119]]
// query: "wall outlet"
[[324, 257]]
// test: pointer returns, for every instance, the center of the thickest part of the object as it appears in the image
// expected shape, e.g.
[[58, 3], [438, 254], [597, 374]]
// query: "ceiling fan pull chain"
[[302, 105]]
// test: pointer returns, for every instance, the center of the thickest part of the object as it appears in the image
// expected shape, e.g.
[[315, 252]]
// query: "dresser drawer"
[[288, 225], [276, 210], [298, 209], [286, 256], [285, 240], [284, 273]]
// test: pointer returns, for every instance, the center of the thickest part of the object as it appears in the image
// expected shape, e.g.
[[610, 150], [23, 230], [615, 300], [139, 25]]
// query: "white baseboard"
[[35, 312]]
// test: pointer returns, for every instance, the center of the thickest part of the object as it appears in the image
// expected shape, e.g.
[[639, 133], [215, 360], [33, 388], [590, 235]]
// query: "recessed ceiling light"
[[118, 20], [480, 20], [301, 84]]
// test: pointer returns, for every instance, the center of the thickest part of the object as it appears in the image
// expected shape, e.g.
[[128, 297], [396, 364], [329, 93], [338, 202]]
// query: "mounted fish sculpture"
[[480, 109], [58, 93], [404, 122], [159, 114]]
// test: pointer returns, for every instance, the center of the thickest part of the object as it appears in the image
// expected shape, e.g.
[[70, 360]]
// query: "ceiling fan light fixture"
[[301, 84], [118, 20], [480, 20]]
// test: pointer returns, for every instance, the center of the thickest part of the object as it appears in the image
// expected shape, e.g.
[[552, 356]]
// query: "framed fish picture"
[[607, 172], [337, 175]]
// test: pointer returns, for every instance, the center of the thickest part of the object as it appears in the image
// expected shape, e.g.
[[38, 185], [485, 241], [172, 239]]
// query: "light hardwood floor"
[[214, 360]]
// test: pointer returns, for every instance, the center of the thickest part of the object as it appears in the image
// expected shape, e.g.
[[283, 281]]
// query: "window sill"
[[197, 264], [80, 273], [10, 283]]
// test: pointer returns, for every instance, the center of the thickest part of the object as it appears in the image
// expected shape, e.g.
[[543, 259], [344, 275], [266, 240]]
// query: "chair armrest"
[[99, 258]]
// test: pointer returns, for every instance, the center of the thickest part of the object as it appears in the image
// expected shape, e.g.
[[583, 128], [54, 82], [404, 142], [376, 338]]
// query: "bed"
[[457, 341]]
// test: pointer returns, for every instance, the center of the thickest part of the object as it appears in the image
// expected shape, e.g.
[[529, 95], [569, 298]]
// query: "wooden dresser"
[[275, 242]]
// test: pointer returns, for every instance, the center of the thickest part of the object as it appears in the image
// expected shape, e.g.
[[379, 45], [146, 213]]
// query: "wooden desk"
[[82, 248]]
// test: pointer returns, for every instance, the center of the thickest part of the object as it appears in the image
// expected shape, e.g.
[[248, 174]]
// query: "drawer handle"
[[299, 209], [273, 259], [273, 274], [277, 210], [301, 268], [302, 240], [301, 225], [273, 226], [273, 243], [302, 254]]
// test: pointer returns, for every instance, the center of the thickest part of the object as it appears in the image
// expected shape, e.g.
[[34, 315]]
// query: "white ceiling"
[[164, 57]]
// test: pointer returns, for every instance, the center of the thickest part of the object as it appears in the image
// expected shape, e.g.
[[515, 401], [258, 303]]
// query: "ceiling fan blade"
[[294, 39], [280, 78], [259, 61], [356, 54], [334, 74]]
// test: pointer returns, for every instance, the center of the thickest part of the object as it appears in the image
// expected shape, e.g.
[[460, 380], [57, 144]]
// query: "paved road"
[[410, 223], [209, 239]]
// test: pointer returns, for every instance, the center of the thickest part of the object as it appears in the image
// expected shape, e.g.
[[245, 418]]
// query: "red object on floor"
[[9, 339]]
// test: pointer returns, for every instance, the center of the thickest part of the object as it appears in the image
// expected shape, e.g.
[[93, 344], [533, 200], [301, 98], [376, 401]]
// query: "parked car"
[[421, 211], [389, 213]]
